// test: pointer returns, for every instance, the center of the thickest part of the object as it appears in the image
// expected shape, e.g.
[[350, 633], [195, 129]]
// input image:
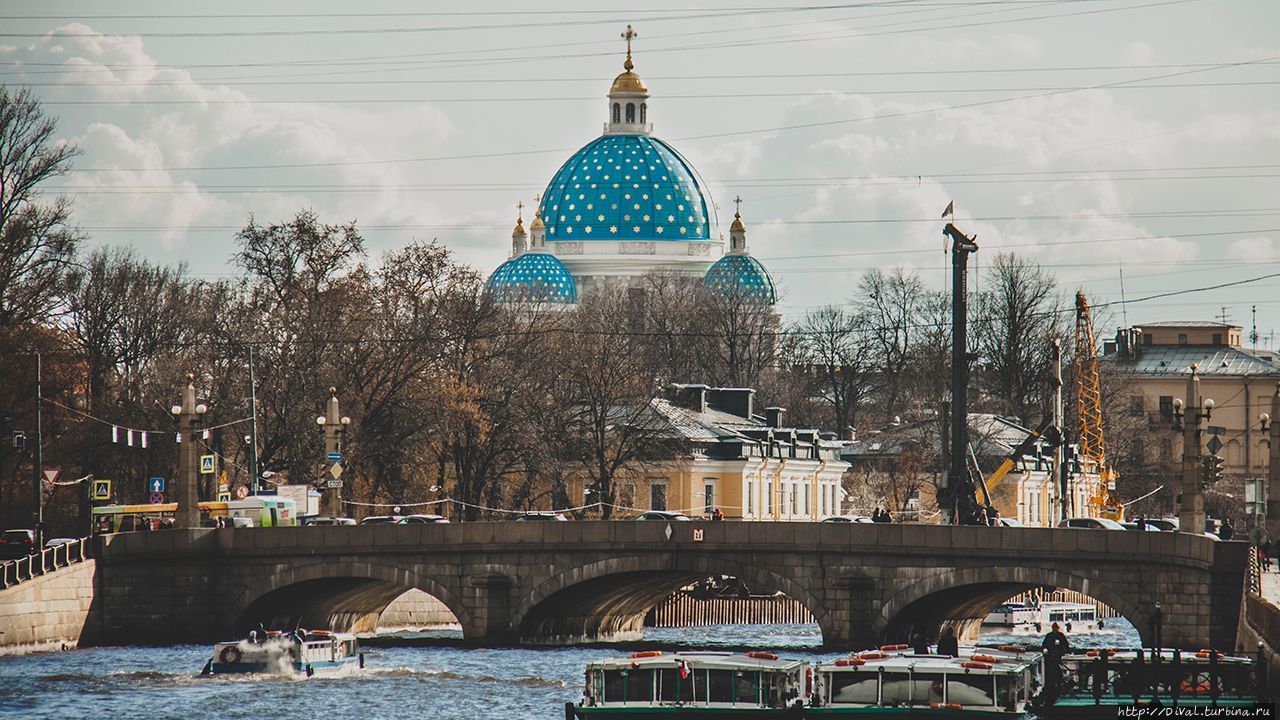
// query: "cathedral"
[[624, 205]]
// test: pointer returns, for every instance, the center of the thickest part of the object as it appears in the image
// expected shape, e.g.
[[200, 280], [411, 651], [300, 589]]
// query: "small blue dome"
[[626, 187], [533, 277], [741, 273]]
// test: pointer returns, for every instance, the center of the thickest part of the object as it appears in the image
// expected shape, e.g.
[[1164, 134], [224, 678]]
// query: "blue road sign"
[[206, 464], [156, 484], [333, 457]]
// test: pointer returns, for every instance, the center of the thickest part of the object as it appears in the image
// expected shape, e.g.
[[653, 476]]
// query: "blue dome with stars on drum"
[[533, 277], [741, 274], [626, 187]]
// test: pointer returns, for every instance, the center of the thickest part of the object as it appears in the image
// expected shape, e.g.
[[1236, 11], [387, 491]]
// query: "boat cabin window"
[[746, 686], [719, 684], [672, 687], [926, 688], [1007, 690], [970, 689], [853, 687], [628, 686]]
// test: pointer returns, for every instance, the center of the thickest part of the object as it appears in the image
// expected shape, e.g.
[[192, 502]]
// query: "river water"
[[432, 678]]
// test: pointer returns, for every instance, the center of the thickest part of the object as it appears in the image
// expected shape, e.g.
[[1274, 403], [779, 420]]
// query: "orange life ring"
[[1012, 648], [808, 680], [1200, 689], [975, 665], [1207, 653], [850, 662], [894, 648], [946, 706], [873, 655], [986, 658], [762, 655], [646, 654]]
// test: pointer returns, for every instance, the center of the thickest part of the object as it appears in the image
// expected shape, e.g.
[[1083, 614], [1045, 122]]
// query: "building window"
[[768, 498], [806, 498], [1147, 339], [617, 112], [1166, 405], [1136, 406], [793, 498], [631, 112], [709, 495], [751, 500], [822, 500], [1166, 450], [657, 495], [1182, 338], [642, 113], [627, 494]]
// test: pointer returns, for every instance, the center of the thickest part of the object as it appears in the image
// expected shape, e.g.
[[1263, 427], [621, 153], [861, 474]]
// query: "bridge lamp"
[[176, 409], [1263, 420], [322, 420], [1208, 407], [346, 420], [202, 409]]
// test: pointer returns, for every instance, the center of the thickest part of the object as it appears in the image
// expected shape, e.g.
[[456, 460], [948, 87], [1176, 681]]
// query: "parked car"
[[381, 520], [17, 543], [1010, 522], [667, 515], [848, 519], [324, 520], [1146, 525], [1165, 523], [55, 542], [542, 516], [422, 519], [1091, 523]]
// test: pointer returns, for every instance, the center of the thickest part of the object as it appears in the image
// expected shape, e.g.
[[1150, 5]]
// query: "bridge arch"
[[344, 596], [607, 599], [963, 597]]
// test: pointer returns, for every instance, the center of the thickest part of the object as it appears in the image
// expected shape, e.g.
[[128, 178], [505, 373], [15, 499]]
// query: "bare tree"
[[887, 306], [837, 355], [37, 241]]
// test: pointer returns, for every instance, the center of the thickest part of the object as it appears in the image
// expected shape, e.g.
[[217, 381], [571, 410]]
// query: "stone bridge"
[[550, 582]]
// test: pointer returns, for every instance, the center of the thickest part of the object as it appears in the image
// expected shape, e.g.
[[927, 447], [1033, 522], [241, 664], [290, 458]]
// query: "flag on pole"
[[144, 438], [128, 438], [951, 209], [115, 434]]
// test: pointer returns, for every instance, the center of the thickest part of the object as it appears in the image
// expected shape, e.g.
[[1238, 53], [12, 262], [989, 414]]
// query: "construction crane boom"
[[1103, 501]]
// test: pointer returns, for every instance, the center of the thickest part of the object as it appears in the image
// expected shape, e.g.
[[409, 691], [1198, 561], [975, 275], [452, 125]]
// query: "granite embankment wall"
[[48, 611], [416, 609]]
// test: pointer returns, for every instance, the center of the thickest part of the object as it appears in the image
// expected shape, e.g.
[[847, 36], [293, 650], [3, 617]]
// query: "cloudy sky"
[[1099, 137]]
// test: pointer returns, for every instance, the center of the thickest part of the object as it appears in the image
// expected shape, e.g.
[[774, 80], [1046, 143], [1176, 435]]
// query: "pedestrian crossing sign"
[[224, 497], [206, 464], [101, 490]]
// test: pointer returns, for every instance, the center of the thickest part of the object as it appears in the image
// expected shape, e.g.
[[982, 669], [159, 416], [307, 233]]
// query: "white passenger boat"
[[895, 682], [302, 652], [1024, 619], [694, 685]]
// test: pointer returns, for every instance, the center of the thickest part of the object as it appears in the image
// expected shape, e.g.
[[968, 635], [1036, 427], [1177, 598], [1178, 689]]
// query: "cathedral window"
[[631, 112], [642, 113], [617, 112]]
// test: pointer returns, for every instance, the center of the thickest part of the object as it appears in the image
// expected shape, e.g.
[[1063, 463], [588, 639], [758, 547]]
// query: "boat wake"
[[451, 675]]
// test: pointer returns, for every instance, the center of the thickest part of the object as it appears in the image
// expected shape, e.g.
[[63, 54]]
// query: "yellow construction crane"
[[1103, 501]]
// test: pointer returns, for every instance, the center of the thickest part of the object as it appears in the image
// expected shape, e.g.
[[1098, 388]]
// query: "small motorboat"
[[694, 685], [894, 681], [300, 652]]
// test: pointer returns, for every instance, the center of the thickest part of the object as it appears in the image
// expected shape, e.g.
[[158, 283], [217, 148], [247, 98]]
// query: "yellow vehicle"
[[257, 511]]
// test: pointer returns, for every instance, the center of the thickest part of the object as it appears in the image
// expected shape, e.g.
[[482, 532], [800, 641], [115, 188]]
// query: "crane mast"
[[1103, 501]]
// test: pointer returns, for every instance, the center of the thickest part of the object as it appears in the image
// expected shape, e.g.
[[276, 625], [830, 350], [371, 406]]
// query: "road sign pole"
[[37, 500], [334, 426], [186, 494]]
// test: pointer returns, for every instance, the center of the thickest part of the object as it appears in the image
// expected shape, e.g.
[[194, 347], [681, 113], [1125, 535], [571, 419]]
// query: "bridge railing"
[[13, 572]]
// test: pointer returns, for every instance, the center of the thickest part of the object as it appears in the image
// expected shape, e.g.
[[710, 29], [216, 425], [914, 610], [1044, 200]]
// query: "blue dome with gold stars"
[[533, 277], [742, 274], [626, 187]]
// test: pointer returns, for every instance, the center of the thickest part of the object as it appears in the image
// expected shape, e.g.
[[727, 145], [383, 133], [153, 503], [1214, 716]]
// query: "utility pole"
[[1191, 502], [1059, 453], [958, 503], [334, 425], [1273, 469], [187, 494], [255, 474], [37, 498]]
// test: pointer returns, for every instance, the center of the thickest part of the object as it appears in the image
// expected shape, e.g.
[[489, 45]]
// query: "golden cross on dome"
[[737, 206], [520, 211], [628, 35]]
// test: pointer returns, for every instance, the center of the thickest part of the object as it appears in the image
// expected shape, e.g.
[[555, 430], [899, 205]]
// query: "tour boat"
[[300, 652], [694, 685], [894, 681], [1025, 619], [1094, 681]]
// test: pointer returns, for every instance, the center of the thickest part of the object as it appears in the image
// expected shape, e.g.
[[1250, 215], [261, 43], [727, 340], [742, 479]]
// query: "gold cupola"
[[628, 98]]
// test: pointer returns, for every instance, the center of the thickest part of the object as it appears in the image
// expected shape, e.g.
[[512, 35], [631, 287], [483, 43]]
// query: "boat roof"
[[704, 660], [1166, 655], [1001, 662], [1056, 605]]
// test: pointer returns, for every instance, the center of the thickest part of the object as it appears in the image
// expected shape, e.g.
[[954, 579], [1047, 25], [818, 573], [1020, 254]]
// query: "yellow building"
[[749, 466], [1154, 361]]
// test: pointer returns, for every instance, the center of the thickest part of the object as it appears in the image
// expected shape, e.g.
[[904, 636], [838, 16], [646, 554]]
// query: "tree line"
[[451, 392]]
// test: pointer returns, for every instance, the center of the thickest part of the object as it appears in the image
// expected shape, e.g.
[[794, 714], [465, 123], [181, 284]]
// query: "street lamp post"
[[1190, 413], [186, 493], [334, 424]]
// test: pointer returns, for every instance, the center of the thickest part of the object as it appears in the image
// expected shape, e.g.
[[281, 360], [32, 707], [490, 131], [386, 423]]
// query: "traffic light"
[[1214, 468]]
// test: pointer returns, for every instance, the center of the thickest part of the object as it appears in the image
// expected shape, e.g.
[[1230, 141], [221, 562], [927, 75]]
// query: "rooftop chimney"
[[773, 415], [690, 396], [736, 401]]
